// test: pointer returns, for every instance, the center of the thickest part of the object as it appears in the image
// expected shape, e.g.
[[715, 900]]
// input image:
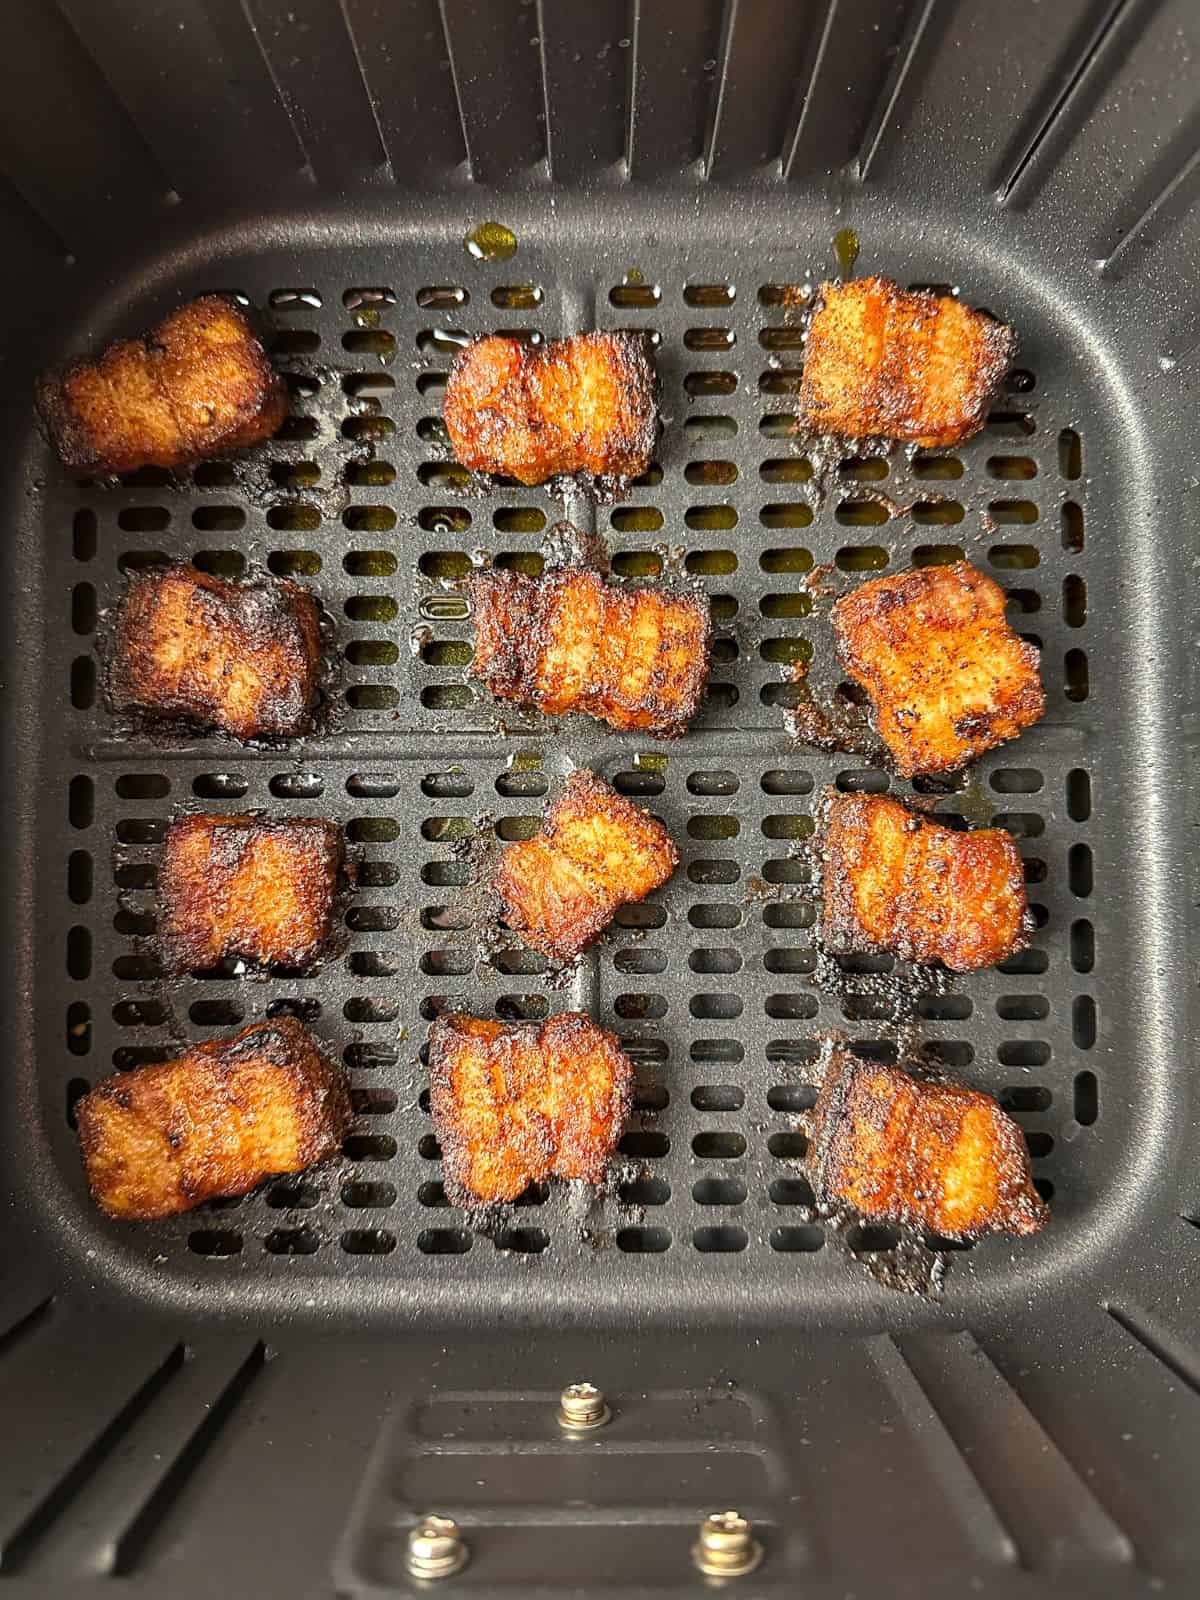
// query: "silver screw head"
[[582, 1407], [726, 1547], [435, 1549]]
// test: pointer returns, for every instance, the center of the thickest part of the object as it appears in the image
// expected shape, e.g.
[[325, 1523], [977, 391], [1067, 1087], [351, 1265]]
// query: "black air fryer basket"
[[265, 1395]]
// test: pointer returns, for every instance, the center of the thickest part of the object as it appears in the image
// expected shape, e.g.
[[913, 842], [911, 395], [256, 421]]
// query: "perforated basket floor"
[[712, 983]]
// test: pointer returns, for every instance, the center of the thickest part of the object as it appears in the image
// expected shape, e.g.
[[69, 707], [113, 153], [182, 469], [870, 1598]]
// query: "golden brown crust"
[[637, 659], [933, 1155], [198, 385], [250, 887], [899, 881], [517, 1103], [243, 657], [215, 1121], [584, 404], [596, 851], [882, 361], [948, 677]]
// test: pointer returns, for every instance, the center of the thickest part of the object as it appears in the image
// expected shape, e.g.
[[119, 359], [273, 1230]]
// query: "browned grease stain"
[[841, 726]]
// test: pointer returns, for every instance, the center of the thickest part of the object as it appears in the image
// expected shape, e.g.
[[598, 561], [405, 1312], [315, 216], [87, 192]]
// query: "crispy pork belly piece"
[[197, 386], [948, 677], [596, 851], [936, 1156], [248, 887], [242, 657], [899, 881], [517, 1103], [584, 404], [637, 659], [879, 360], [215, 1121]]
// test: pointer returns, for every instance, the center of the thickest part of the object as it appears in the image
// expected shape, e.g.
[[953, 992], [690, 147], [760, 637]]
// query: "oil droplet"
[[845, 248], [491, 241], [444, 607], [635, 275]]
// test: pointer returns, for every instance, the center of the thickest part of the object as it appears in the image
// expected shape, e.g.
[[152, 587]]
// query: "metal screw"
[[436, 1549], [582, 1407], [726, 1547]]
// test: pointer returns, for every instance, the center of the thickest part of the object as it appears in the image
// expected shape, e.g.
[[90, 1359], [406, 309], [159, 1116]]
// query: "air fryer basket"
[[267, 1392]]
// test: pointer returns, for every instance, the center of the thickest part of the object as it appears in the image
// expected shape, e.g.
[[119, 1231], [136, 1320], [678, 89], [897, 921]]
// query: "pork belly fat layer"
[[250, 887], [200, 384], [936, 1156], [637, 659], [241, 657], [596, 852], [215, 1121], [948, 678], [584, 404], [518, 1103], [895, 880], [882, 361]]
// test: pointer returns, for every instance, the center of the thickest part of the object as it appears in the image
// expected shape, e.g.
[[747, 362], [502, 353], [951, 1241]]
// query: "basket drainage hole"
[[650, 1097], [1087, 1098], [368, 1242], [792, 1192], [294, 299], [719, 1146], [866, 1238], [719, 1192], [722, 1240], [796, 1055], [296, 786], [81, 801], [443, 1242], [953, 1053], [643, 1241], [375, 1196], [644, 1192], [85, 534], [792, 1097], [292, 1195], [302, 1010], [214, 1242], [1026, 1097], [527, 1241], [369, 1147], [291, 1242], [806, 1238], [219, 786], [789, 1146], [718, 1097], [644, 1144], [76, 1089]]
